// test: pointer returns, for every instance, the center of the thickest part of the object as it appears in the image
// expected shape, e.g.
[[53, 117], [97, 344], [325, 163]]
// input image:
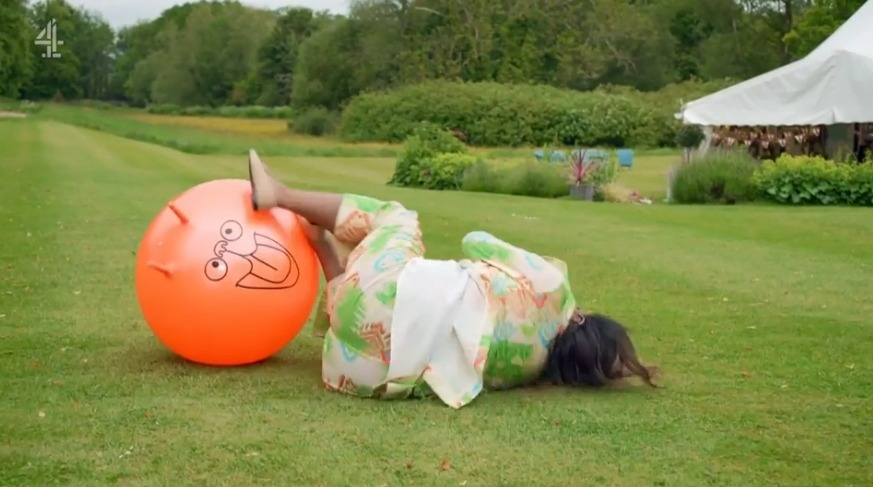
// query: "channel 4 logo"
[[48, 37]]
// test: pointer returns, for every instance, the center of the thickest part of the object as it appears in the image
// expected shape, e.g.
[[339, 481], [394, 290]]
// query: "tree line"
[[221, 53]]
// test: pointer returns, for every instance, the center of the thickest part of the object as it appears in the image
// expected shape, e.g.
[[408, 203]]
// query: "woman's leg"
[[384, 236], [267, 192], [321, 209]]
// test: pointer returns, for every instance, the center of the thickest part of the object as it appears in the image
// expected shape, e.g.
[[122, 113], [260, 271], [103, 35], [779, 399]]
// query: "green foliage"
[[425, 142], [22, 106], [664, 103], [606, 173], [598, 171], [202, 61], [482, 177], [62, 76], [536, 179], [16, 61], [445, 171], [522, 77], [804, 180], [254, 111], [718, 177], [690, 136], [580, 168], [327, 71], [316, 121], [201, 141], [164, 109], [432, 159], [817, 23], [228, 111], [491, 114], [269, 82], [209, 54]]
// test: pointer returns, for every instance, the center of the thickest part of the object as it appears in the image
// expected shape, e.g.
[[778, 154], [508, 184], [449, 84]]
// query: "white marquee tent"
[[832, 85]]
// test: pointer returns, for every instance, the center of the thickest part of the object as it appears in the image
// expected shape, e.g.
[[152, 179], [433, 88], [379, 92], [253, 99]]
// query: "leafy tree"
[[94, 43], [817, 23], [272, 77], [201, 63], [55, 76], [16, 61], [325, 70], [223, 52]]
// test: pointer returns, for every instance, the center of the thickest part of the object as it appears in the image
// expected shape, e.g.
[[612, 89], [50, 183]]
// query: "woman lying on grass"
[[401, 325]]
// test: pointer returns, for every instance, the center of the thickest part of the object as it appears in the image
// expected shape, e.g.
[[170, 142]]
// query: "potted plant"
[[580, 184]]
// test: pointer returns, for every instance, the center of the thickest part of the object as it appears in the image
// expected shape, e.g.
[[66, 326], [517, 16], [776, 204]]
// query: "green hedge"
[[416, 164], [718, 177], [315, 121], [531, 178], [432, 158], [228, 111], [22, 106], [446, 171], [807, 180], [731, 177], [664, 104], [493, 114]]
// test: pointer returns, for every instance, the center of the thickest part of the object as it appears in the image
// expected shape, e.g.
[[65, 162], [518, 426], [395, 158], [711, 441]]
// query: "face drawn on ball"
[[262, 261]]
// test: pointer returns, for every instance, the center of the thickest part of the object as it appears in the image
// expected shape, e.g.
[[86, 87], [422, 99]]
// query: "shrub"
[[605, 171], [718, 177], [164, 109], [315, 121], [197, 111], [493, 114], [581, 170], [23, 106], [426, 142], [481, 177], [229, 111], [690, 136], [535, 179], [94, 104], [445, 171], [814, 180], [663, 104], [258, 111], [526, 179]]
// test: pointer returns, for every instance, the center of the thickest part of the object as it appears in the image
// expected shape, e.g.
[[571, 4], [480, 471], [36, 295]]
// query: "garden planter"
[[582, 191]]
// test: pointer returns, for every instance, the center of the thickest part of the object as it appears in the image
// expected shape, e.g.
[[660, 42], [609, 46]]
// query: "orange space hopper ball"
[[221, 284]]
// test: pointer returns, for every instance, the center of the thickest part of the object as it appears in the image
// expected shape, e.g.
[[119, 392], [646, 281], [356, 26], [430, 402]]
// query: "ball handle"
[[164, 269], [183, 218]]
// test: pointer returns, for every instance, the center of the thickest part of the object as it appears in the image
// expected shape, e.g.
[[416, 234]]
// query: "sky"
[[120, 13]]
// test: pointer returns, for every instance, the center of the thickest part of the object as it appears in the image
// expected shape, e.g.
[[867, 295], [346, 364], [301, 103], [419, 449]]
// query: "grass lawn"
[[758, 315]]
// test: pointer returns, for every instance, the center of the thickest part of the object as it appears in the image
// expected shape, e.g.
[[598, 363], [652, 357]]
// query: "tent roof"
[[854, 35], [828, 86]]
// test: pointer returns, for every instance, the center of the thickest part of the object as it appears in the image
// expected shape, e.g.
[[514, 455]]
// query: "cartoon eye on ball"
[[216, 269], [231, 230], [262, 262]]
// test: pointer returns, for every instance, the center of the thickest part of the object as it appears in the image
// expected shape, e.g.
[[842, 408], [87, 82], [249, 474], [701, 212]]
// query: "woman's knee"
[[359, 216]]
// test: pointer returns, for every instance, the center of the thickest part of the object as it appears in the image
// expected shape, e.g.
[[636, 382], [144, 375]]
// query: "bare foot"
[[263, 184]]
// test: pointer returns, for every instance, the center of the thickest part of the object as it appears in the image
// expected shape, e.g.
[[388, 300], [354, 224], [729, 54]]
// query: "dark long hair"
[[594, 350]]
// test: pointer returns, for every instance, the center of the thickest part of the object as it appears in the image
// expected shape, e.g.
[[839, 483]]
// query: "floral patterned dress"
[[529, 303]]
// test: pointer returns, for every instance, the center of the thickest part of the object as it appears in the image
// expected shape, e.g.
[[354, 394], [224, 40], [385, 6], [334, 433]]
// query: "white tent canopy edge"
[[832, 85]]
